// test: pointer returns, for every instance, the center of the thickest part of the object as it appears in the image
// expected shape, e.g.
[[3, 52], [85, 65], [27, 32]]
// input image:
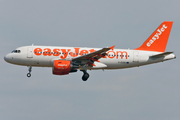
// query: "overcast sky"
[[143, 93]]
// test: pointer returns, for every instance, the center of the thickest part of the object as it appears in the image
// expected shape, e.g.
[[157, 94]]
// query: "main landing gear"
[[85, 75], [30, 69]]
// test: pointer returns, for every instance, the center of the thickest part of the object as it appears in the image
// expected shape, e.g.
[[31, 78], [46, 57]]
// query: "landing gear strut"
[[30, 69], [85, 76]]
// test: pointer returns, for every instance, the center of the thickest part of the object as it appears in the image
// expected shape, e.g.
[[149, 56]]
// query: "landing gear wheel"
[[85, 76], [29, 75], [30, 69]]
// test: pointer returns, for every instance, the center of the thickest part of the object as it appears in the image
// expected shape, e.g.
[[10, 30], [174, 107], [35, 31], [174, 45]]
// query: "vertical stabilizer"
[[158, 40]]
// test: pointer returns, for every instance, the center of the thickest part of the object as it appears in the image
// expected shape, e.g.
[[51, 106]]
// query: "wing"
[[91, 57], [94, 55]]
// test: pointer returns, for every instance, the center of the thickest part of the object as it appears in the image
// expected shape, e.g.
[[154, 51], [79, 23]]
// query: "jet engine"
[[63, 67]]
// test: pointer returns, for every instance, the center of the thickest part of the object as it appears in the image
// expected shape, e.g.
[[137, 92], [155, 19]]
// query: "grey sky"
[[144, 93]]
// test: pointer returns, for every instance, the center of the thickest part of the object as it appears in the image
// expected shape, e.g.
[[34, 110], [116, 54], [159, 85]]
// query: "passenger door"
[[136, 56], [30, 52]]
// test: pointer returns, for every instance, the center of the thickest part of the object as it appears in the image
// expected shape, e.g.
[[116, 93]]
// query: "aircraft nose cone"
[[7, 58]]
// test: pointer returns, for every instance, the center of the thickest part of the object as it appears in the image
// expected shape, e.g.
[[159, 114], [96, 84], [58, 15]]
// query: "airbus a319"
[[65, 60]]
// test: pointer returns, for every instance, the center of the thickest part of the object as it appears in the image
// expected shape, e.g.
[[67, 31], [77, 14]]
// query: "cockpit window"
[[16, 51]]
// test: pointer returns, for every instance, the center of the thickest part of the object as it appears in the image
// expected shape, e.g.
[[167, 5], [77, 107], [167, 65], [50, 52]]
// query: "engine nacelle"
[[62, 67]]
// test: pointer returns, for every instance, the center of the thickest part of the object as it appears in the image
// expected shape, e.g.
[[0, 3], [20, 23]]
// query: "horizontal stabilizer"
[[161, 55]]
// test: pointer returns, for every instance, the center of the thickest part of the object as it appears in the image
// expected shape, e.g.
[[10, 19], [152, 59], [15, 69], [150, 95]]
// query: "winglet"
[[112, 47]]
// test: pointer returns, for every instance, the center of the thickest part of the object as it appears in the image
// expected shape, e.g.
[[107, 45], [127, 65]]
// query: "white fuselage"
[[43, 56]]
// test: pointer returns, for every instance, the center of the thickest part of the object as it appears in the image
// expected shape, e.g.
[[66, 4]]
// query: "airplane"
[[65, 60]]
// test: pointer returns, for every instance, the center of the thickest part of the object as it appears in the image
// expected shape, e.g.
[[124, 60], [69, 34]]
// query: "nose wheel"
[[30, 69], [29, 75], [85, 75]]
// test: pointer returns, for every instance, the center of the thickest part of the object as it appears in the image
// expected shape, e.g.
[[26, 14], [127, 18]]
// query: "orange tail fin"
[[158, 40]]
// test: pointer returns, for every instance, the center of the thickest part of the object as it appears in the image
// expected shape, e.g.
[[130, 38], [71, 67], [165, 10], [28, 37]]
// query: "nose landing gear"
[[30, 69], [85, 76]]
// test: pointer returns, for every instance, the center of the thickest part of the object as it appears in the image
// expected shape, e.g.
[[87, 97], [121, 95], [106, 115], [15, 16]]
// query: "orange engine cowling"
[[61, 67]]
